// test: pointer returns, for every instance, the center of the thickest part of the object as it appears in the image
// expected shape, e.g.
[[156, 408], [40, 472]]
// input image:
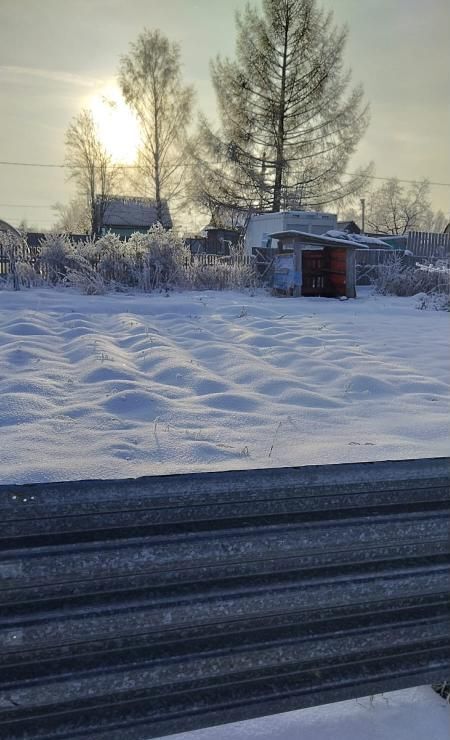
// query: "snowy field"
[[124, 386]]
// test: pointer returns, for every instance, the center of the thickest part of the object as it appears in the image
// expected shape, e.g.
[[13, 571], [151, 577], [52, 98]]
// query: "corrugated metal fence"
[[139, 608], [368, 261]]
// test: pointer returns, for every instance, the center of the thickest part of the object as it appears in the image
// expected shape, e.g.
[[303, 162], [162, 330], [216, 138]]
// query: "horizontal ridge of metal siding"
[[140, 608]]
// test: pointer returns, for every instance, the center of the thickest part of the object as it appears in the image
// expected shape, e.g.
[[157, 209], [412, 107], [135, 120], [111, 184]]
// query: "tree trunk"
[[279, 167], [157, 155]]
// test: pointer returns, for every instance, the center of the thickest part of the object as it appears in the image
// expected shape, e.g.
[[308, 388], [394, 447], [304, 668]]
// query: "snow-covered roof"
[[122, 211], [319, 239], [361, 239]]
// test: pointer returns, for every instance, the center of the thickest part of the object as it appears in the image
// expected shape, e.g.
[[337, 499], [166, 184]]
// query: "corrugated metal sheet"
[[133, 609], [429, 245]]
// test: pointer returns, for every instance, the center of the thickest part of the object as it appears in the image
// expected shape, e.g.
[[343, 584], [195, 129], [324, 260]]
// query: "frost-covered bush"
[[28, 276], [14, 250], [88, 249], [86, 279], [224, 274], [155, 260], [161, 258], [113, 260], [57, 256], [397, 278]]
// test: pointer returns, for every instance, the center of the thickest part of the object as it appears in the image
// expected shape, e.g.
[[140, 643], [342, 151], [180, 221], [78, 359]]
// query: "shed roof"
[[5, 226], [316, 239]]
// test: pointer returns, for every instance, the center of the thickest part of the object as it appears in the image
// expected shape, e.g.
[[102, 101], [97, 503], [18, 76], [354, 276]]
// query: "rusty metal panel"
[[139, 608]]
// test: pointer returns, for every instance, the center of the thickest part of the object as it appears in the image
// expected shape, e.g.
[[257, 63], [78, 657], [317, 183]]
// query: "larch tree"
[[151, 83], [90, 166], [289, 120]]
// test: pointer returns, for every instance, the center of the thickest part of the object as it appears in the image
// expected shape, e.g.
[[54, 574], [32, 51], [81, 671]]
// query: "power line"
[[410, 182], [23, 205], [33, 164], [140, 167]]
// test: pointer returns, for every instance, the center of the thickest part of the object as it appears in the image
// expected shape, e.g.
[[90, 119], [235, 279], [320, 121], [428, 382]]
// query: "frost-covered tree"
[[150, 79], [23, 226], [90, 166], [436, 221], [73, 218], [396, 209], [289, 119]]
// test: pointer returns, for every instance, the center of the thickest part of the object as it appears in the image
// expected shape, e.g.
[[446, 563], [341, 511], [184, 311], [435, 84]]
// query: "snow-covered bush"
[[433, 301], [396, 278]]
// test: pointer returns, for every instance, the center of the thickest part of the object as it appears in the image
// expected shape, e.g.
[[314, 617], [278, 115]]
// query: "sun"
[[116, 124]]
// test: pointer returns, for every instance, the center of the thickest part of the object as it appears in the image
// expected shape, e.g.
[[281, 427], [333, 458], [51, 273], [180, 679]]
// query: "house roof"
[[349, 226], [139, 212], [317, 239]]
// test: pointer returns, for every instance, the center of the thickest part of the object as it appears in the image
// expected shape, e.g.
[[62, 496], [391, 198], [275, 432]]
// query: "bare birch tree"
[[73, 217], [289, 120], [150, 78], [394, 209], [90, 166]]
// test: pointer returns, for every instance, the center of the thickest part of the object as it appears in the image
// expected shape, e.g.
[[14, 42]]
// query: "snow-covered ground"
[[123, 385], [414, 714], [130, 385]]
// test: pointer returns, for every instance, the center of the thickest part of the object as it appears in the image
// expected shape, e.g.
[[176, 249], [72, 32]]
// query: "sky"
[[56, 56]]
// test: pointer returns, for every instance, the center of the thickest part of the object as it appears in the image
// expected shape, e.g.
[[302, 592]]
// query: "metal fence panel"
[[429, 245], [139, 608]]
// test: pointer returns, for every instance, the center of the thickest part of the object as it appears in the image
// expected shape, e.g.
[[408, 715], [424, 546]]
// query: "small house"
[[314, 265], [125, 215]]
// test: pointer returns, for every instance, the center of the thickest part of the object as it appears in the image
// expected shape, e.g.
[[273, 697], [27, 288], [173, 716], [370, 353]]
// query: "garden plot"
[[128, 385]]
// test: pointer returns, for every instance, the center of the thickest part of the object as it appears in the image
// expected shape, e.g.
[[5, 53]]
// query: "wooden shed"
[[322, 265]]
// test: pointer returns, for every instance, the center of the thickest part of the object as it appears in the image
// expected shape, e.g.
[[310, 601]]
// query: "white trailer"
[[261, 225]]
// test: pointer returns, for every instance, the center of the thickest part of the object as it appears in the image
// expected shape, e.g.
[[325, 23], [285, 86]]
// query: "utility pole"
[[263, 182], [363, 215]]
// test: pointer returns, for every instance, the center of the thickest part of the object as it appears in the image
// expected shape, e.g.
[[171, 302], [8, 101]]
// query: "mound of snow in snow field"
[[130, 385], [414, 714]]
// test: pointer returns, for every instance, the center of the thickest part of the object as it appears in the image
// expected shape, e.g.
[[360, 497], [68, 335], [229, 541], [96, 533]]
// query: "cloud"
[[9, 72]]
